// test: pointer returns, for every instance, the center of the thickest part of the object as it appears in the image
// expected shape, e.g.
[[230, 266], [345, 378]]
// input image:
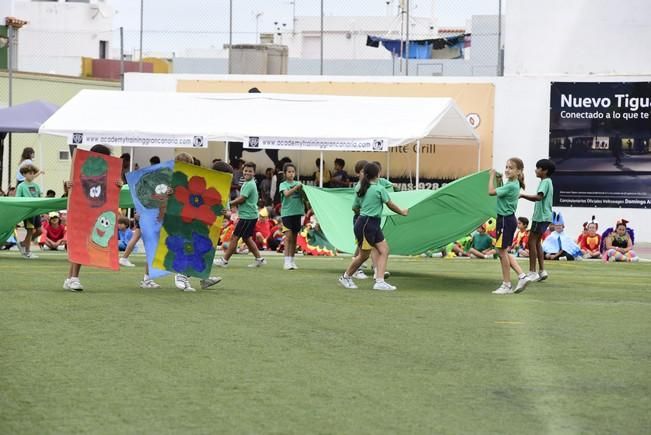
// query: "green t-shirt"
[[291, 205], [542, 210], [481, 241], [249, 208], [507, 198], [385, 183], [28, 189], [373, 202]]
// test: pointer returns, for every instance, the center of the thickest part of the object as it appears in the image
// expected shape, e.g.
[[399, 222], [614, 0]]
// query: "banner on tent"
[[599, 139], [92, 210], [139, 140], [284, 143], [193, 220]]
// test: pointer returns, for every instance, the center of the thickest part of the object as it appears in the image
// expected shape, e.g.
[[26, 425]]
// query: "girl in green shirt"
[[369, 202], [291, 212], [506, 223]]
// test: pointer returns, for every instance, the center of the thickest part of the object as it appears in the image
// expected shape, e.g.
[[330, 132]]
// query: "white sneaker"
[[74, 285], [359, 274], [384, 286], [532, 277], [258, 262], [294, 266], [149, 283], [126, 263], [28, 255], [386, 274], [543, 275], [522, 284], [182, 283], [211, 281], [287, 266], [220, 262], [503, 290], [66, 284], [347, 282]]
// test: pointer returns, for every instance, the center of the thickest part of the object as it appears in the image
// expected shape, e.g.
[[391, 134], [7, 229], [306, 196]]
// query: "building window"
[[64, 155], [103, 49]]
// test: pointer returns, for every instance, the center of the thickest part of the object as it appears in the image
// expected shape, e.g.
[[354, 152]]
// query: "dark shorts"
[[505, 227], [32, 223], [355, 217], [245, 228], [539, 227], [293, 223], [368, 232]]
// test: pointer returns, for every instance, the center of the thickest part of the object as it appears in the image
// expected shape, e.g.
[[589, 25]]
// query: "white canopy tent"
[[282, 121]]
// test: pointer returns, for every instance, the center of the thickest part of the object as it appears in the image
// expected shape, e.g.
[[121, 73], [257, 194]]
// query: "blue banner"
[[149, 187]]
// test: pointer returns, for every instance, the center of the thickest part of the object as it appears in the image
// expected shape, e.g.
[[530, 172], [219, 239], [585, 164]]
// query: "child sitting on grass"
[[482, 245]]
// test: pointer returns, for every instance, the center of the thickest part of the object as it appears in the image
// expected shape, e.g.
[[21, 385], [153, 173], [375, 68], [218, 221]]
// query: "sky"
[[174, 25]]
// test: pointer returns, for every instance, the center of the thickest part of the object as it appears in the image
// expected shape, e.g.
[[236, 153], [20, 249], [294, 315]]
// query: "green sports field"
[[269, 351]]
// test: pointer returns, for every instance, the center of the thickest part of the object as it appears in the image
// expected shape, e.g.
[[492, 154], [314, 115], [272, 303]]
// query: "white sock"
[[346, 275], [506, 284], [145, 278], [522, 275], [291, 259], [379, 280]]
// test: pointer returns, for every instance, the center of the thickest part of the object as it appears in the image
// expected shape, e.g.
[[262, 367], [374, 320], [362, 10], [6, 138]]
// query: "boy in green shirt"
[[247, 210], [542, 217], [29, 189]]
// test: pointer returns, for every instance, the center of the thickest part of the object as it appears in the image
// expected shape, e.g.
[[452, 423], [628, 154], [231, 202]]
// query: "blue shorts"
[[539, 227], [245, 228], [368, 232], [292, 223], [505, 227]]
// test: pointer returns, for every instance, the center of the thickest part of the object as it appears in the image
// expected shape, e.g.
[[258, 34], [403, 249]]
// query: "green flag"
[[436, 217], [14, 210]]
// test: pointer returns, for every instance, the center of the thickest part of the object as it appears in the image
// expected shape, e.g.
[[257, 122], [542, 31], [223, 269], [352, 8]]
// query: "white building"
[[345, 37], [59, 33]]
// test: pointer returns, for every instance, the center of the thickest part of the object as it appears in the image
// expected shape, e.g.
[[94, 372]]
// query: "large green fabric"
[[14, 210], [436, 217]]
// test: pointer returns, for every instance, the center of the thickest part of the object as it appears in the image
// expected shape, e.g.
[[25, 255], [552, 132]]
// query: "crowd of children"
[[269, 215]]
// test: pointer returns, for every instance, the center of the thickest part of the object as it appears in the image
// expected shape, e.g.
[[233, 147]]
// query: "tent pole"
[[40, 160], [388, 164], [226, 152], [417, 164], [478, 156], [321, 169], [131, 160]]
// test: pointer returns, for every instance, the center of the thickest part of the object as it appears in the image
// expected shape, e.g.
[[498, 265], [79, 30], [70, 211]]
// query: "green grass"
[[269, 351]]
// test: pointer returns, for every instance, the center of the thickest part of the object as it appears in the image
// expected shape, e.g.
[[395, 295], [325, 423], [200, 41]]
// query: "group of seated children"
[[616, 244]]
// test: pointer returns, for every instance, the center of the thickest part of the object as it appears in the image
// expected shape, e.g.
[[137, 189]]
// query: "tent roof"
[[27, 117], [162, 118]]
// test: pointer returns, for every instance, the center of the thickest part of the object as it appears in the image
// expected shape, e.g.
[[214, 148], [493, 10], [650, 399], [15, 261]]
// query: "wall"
[[56, 90], [59, 34], [521, 126], [577, 37]]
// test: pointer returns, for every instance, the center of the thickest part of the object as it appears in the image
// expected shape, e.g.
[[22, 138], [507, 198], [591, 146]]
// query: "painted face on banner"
[[104, 229]]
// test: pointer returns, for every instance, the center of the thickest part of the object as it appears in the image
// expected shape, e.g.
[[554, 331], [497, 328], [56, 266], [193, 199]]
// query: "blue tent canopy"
[[27, 117]]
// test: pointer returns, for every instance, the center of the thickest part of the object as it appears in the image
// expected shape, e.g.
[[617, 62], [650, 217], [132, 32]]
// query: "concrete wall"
[[578, 37]]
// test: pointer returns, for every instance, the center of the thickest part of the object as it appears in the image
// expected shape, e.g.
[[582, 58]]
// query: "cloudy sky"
[[173, 25]]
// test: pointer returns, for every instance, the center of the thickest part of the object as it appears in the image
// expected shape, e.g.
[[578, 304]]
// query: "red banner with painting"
[[93, 210]]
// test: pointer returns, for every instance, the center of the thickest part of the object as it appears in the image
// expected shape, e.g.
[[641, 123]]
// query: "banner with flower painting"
[[193, 220], [92, 209]]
